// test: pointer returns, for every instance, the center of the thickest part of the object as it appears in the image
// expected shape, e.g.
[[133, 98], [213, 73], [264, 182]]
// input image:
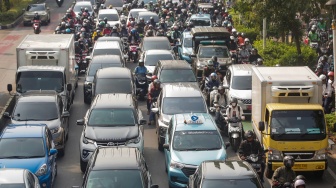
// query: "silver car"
[[42, 10], [16, 177]]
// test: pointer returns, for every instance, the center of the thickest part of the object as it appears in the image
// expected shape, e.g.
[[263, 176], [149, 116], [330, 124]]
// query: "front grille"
[[246, 101], [110, 143], [300, 155], [188, 171]]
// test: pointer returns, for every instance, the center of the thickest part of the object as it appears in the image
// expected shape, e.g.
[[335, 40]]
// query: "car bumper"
[[176, 178], [28, 19], [301, 166], [45, 181]]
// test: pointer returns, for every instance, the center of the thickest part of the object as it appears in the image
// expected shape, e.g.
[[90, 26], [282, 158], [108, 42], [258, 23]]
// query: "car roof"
[[113, 100], [41, 68], [108, 11], [116, 158], [138, 10], [217, 169], [147, 39], [200, 16], [108, 38], [241, 69], [11, 175], [181, 90], [23, 131], [106, 45], [147, 13], [36, 97], [174, 64], [151, 52], [115, 59], [206, 122], [114, 72], [78, 3]]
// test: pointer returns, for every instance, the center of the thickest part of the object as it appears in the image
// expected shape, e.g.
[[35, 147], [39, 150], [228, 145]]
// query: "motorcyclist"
[[243, 53], [96, 34], [141, 70], [215, 62], [188, 29], [220, 98], [150, 6], [124, 10], [321, 25], [252, 146], [153, 94], [207, 70], [176, 34], [115, 32], [330, 92], [141, 25], [299, 184], [36, 16], [134, 36], [107, 30], [234, 110], [240, 38], [254, 56], [284, 173], [232, 44], [124, 31], [213, 82], [150, 31], [248, 45], [312, 35], [151, 86], [152, 22]]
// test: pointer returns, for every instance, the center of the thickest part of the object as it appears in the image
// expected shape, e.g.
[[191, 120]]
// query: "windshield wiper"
[[28, 120], [14, 157], [50, 119]]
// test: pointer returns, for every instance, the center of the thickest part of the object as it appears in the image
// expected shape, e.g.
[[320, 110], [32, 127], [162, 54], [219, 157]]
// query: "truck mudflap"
[[301, 166]]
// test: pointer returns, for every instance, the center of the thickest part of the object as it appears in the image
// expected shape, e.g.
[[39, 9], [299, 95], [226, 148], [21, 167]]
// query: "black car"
[[98, 62], [231, 174], [117, 167]]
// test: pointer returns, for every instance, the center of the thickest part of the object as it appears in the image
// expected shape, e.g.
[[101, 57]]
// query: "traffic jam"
[[198, 82]]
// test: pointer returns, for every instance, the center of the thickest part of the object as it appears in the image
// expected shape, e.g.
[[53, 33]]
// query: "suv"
[[238, 84], [98, 62], [29, 146], [190, 140], [44, 107], [173, 71], [126, 165], [113, 80], [175, 99], [219, 173], [112, 120], [185, 49]]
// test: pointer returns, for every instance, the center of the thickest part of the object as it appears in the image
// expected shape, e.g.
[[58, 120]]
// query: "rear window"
[[110, 17], [156, 45], [95, 66], [109, 51], [113, 85], [152, 60]]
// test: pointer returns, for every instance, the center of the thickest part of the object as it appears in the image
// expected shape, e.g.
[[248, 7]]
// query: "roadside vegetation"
[[10, 10]]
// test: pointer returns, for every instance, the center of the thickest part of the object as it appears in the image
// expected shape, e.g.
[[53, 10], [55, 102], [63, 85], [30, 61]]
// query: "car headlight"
[[274, 154], [321, 154], [55, 130], [176, 165], [87, 141], [42, 170], [134, 140]]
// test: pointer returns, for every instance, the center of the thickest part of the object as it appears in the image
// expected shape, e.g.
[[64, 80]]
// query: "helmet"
[[148, 22], [82, 30], [232, 37], [210, 63], [331, 73], [233, 30], [102, 23], [105, 19], [213, 75], [233, 100], [68, 30], [259, 60], [216, 11], [114, 28], [300, 177], [151, 18], [322, 77], [35, 12], [288, 161], [214, 58], [246, 40], [154, 77], [86, 10], [298, 183], [249, 134], [314, 28], [156, 81], [141, 19], [82, 9]]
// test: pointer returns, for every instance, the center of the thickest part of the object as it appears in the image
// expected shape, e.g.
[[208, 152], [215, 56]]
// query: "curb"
[[8, 108], [12, 25]]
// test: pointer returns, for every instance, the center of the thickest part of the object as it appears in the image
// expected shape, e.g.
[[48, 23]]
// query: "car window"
[[22, 147], [77, 8], [208, 52], [13, 185], [179, 105], [112, 117], [176, 75], [35, 111], [199, 140], [108, 51], [113, 85], [200, 22], [156, 45], [241, 82], [187, 42], [147, 17], [153, 59], [35, 7], [110, 17], [95, 66]]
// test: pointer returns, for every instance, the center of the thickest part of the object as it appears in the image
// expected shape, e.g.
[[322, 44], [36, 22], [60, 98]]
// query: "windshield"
[[115, 3], [187, 42], [112, 117], [77, 8], [21, 148], [113, 85], [13, 185], [177, 75], [135, 13], [95, 66], [231, 183], [110, 17], [297, 124], [109, 51], [152, 60], [35, 111], [241, 82], [114, 179], [39, 80], [35, 7], [156, 45], [201, 22], [180, 105], [208, 52], [197, 140]]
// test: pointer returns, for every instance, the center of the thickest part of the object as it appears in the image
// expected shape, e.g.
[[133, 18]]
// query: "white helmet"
[[247, 40], [298, 183], [322, 77], [234, 30]]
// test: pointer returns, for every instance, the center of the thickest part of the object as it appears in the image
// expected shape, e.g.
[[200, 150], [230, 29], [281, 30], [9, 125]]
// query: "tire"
[[83, 165], [36, 31], [268, 173], [235, 144]]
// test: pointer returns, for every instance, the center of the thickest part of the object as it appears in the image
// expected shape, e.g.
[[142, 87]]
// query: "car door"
[[51, 158]]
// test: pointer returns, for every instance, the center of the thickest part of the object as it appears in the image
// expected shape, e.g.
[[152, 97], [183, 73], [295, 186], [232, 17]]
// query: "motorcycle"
[[142, 86], [133, 52], [37, 26], [59, 2], [235, 132], [256, 160]]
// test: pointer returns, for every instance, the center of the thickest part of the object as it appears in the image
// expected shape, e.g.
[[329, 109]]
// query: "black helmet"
[[249, 134], [233, 100], [214, 58], [288, 161], [287, 185]]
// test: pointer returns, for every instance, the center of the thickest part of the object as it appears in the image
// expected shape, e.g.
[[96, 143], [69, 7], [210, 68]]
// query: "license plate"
[[256, 165], [134, 53], [300, 166]]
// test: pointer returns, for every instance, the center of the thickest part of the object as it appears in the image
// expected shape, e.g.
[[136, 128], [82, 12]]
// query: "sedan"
[[41, 9]]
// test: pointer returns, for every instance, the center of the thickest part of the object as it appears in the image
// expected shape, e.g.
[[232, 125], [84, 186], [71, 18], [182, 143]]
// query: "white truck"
[[47, 62], [288, 118]]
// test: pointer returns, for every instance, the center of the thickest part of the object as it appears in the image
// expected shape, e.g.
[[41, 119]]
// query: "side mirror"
[[166, 146], [261, 126], [69, 87], [155, 110], [143, 122], [9, 87], [227, 144], [65, 114], [80, 122], [6, 115], [155, 186], [53, 152]]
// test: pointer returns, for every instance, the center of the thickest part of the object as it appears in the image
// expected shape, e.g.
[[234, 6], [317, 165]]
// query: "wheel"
[[268, 173], [36, 31], [83, 165], [235, 144]]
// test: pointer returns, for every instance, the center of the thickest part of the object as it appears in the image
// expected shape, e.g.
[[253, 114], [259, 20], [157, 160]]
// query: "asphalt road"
[[69, 173]]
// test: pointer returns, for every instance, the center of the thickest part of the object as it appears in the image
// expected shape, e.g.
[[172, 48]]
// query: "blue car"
[[29, 147], [185, 49], [190, 140]]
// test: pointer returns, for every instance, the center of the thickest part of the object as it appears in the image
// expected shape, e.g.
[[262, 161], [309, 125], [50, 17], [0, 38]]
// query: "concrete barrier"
[[8, 108]]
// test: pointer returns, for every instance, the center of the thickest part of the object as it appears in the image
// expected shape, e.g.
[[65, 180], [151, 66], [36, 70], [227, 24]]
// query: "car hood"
[[197, 157], [186, 50], [150, 69], [89, 78], [32, 164], [52, 124], [120, 134], [241, 94]]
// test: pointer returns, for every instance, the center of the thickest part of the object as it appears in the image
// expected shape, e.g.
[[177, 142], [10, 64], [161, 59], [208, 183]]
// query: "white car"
[[111, 15], [84, 4], [134, 13], [152, 57]]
